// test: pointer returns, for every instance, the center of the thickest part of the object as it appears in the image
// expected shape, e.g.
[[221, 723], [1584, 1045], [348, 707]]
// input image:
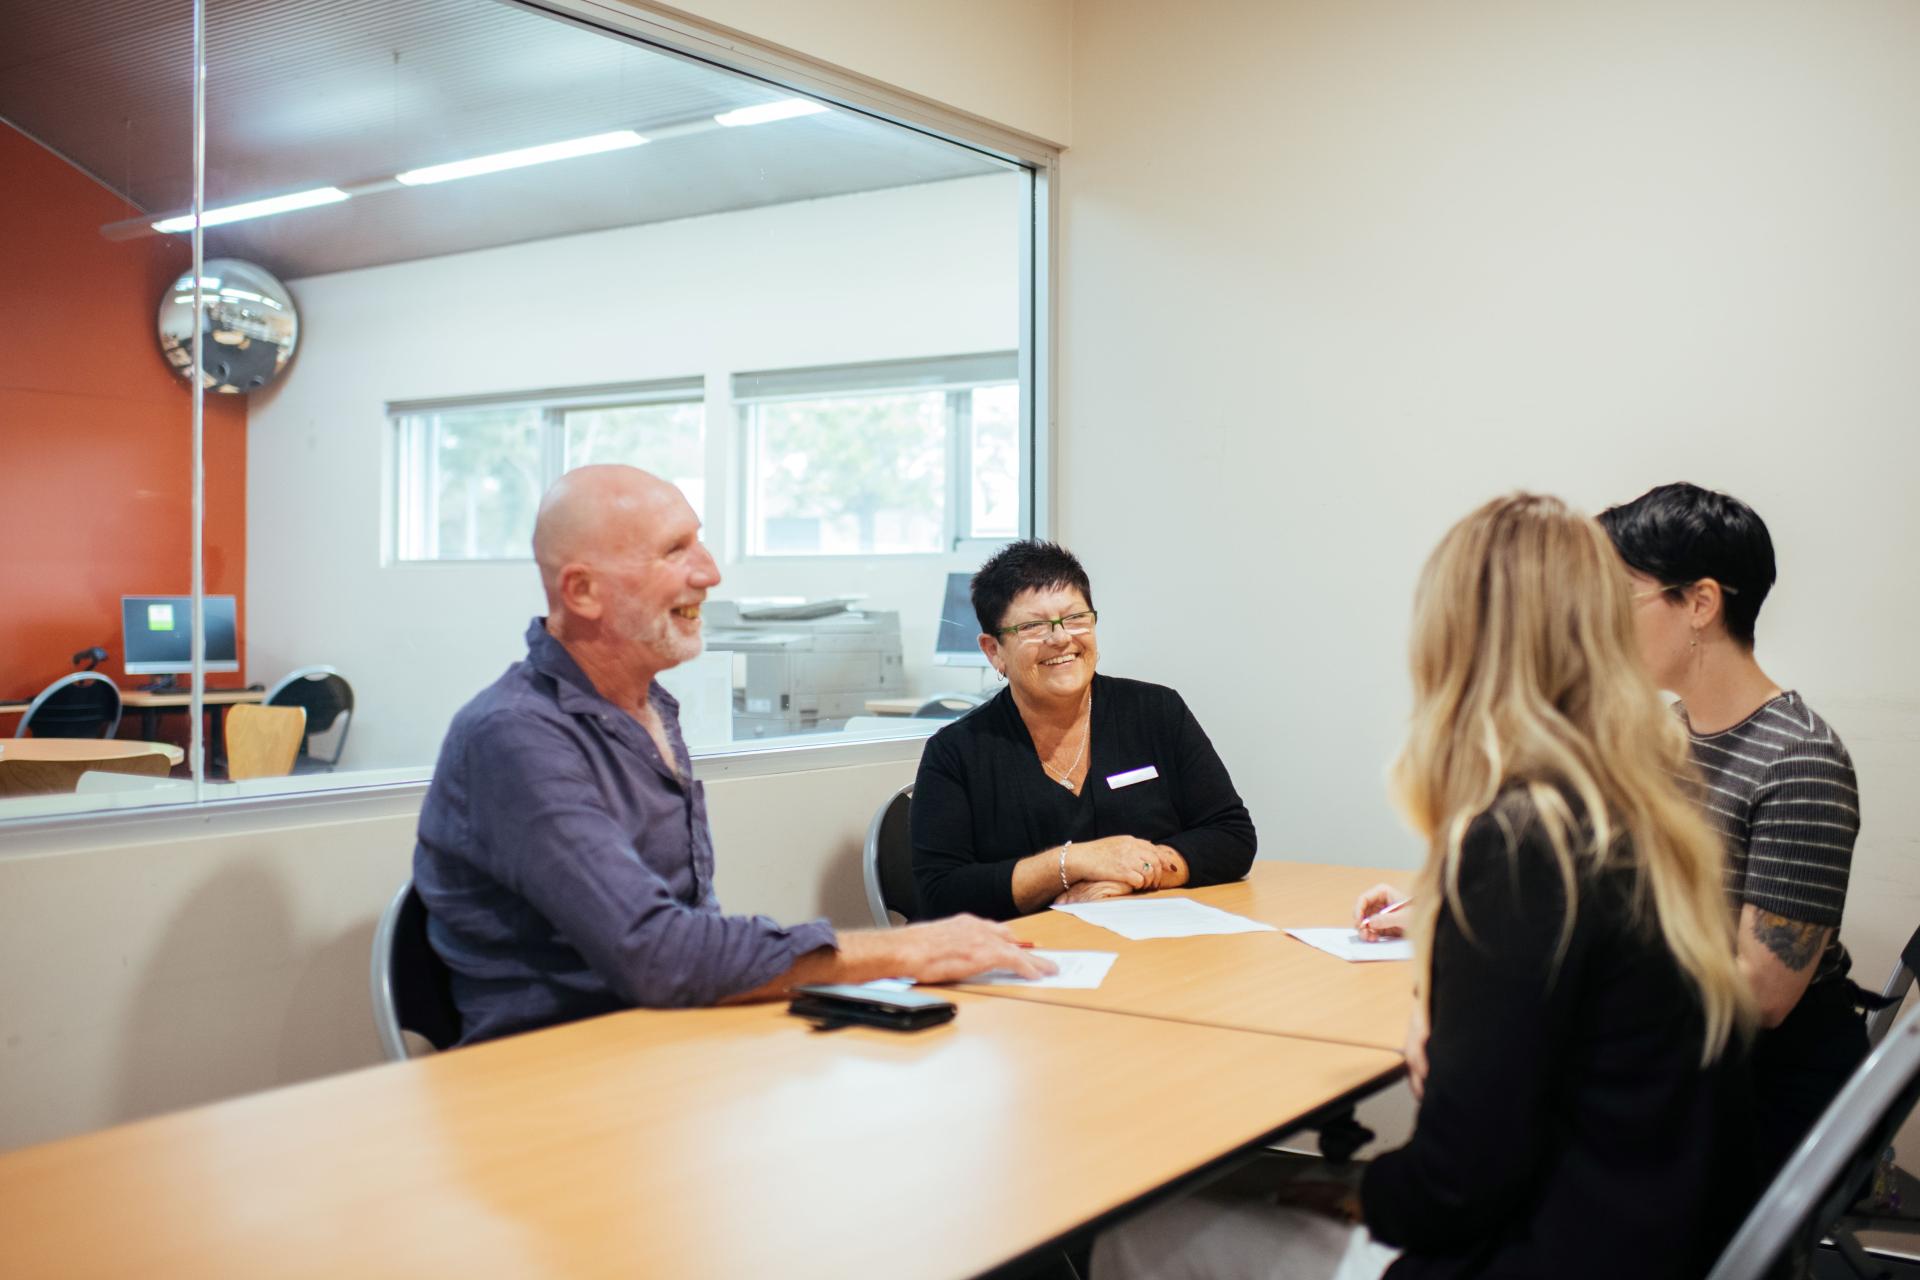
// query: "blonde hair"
[[1526, 672]]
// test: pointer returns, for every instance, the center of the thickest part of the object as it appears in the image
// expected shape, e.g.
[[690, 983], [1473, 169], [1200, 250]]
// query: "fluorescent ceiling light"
[[618, 140], [253, 209], [767, 113]]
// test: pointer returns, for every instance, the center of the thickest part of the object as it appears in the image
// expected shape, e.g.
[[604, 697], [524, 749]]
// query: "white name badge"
[[1145, 773]]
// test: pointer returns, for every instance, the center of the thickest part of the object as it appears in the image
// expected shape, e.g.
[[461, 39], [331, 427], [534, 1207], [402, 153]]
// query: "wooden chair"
[[262, 742], [59, 777]]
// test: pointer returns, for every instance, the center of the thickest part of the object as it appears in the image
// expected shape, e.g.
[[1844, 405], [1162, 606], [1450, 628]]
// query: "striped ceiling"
[[304, 93]]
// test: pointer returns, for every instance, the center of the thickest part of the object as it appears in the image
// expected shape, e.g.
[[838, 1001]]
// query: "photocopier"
[[800, 667]]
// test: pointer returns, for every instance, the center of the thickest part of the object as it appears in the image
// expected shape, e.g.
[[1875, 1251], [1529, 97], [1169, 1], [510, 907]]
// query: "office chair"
[[1831, 1170], [412, 992], [1899, 982], [83, 705], [886, 864], [263, 742], [328, 700]]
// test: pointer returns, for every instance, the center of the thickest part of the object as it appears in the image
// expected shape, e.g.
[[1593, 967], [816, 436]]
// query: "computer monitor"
[[157, 634], [958, 643]]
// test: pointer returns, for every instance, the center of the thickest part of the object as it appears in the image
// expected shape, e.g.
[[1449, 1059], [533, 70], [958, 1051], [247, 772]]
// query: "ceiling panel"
[[303, 93]]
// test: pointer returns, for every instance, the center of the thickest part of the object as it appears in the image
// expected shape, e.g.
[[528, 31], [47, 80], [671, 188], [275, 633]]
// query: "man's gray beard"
[[668, 643]]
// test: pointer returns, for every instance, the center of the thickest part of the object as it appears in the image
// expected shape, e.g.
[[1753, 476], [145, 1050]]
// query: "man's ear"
[[580, 592]]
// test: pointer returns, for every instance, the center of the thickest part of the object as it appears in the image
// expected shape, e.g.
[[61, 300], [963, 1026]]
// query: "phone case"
[[832, 1005]]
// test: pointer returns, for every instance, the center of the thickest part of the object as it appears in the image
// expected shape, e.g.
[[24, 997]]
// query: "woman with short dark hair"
[[1067, 786], [1780, 788]]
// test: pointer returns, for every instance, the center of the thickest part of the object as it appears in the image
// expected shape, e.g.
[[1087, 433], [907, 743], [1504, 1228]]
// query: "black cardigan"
[[982, 802], [1567, 1128]]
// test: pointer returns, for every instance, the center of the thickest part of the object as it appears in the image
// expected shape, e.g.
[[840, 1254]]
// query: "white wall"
[[1005, 61], [915, 271], [1332, 274]]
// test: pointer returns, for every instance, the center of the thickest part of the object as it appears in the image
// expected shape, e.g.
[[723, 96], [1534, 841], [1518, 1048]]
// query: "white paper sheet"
[[1079, 971], [1348, 945], [1162, 918]]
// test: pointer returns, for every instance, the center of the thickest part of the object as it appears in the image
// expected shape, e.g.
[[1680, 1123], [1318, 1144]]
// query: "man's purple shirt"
[[567, 870]]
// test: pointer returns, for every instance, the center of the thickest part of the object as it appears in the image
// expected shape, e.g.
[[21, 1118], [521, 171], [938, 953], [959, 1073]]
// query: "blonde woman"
[[1583, 1099]]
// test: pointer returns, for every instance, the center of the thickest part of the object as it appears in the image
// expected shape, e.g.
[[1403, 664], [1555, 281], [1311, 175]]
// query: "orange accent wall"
[[96, 431]]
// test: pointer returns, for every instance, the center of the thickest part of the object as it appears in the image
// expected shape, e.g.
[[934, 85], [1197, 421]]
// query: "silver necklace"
[[1066, 779]]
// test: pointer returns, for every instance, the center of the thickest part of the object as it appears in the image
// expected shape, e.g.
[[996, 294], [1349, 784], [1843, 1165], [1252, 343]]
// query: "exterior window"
[[881, 468], [469, 478]]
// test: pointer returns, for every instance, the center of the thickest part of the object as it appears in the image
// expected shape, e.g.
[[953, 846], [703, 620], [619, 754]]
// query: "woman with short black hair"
[[1067, 786], [1780, 788]]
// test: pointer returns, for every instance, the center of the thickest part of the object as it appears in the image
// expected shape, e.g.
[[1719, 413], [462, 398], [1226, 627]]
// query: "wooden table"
[[708, 1143], [150, 705], [895, 706], [216, 701], [52, 766], [1265, 982], [71, 749]]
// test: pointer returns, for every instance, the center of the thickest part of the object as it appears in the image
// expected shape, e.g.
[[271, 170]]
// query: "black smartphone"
[[833, 1005]]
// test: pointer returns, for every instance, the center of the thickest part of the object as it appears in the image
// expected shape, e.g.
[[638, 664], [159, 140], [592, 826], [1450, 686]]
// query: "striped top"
[[1781, 790]]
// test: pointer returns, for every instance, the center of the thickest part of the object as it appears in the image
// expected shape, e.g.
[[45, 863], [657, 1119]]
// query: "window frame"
[[413, 427]]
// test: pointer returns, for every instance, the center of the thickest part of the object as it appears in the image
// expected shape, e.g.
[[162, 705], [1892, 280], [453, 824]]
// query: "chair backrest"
[[411, 988], [1833, 1166], [1899, 982], [263, 742], [83, 705], [887, 862], [328, 699], [59, 777]]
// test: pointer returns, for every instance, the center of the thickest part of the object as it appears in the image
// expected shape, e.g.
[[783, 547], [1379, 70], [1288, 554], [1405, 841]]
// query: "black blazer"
[[1568, 1129], [982, 802]]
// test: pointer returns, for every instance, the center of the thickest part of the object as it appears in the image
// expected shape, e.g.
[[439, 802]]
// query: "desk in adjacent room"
[[150, 705], [216, 701], [719, 1142], [1267, 982]]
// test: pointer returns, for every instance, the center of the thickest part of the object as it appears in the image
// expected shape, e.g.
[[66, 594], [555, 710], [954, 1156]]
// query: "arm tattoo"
[[1795, 943]]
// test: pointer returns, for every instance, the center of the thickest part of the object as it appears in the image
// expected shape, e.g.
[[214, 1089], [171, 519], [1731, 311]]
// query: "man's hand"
[[1367, 920], [955, 949], [944, 951], [1093, 891], [1415, 1049]]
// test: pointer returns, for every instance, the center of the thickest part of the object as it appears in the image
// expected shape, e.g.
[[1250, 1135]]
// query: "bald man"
[[564, 856]]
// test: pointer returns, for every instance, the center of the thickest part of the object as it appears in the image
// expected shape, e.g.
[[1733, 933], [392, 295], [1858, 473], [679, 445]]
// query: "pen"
[[1387, 911]]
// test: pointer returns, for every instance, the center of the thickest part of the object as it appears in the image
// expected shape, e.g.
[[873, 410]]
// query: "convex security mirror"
[[251, 326]]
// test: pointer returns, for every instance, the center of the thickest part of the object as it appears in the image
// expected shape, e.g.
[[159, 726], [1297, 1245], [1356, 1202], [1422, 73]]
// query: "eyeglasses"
[[1074, 624], [1725, 590]]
